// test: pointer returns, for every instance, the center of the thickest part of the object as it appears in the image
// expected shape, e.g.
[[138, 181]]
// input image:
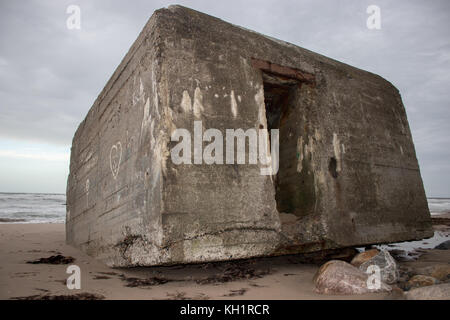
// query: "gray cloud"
[[50, 76]]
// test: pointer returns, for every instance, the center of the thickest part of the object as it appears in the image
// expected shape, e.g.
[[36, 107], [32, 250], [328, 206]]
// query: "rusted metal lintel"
[[283, 71]]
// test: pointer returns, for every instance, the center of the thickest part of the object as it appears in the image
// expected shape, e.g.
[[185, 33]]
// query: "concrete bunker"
[[348, 174]]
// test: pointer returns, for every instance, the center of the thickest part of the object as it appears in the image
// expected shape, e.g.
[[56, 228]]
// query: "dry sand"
[[282, 278]]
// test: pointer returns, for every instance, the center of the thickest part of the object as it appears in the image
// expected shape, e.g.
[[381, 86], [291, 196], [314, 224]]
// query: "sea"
[[51, 208], [32, 208]]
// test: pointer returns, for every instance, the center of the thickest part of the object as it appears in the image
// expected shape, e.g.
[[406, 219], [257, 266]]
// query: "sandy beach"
[[284, 278], [205, 151]]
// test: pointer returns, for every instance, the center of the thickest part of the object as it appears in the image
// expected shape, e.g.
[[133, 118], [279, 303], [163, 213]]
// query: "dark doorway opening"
[[279, 93], [294, 182]]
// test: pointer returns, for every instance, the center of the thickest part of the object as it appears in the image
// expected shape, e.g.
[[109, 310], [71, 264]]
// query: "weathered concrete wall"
[[130, 205], [114, 186]]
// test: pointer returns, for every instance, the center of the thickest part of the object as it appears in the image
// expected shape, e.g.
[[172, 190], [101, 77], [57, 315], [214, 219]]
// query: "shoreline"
[[436, 217]]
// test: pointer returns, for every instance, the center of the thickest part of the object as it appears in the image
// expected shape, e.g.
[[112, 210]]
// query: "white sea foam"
[[409, 248]]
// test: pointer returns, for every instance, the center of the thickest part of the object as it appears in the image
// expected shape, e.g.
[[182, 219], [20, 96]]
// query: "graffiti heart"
[[115, 157]]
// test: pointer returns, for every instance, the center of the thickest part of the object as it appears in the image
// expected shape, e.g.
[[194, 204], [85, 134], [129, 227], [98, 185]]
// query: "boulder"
[[420, 280], [345, 254], [388, 266], [444, 245], [439, 271], [436, 292], [362, 257], [341, 278], [396, 294], [400, 255]]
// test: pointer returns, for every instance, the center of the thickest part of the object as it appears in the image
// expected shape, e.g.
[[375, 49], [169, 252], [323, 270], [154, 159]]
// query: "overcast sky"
[[50, 75]]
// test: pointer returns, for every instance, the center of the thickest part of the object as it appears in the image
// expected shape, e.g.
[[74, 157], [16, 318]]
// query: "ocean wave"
[[32, 208]]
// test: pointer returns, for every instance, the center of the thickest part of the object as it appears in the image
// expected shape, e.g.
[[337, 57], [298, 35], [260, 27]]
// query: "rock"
[[341, 278], [399, 255], [420, 280], [405, 274], [396, 294], [436, 292], [444, 245], [387, 265], [441, 272], [345, 254], [362, 257], [438, 271]]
